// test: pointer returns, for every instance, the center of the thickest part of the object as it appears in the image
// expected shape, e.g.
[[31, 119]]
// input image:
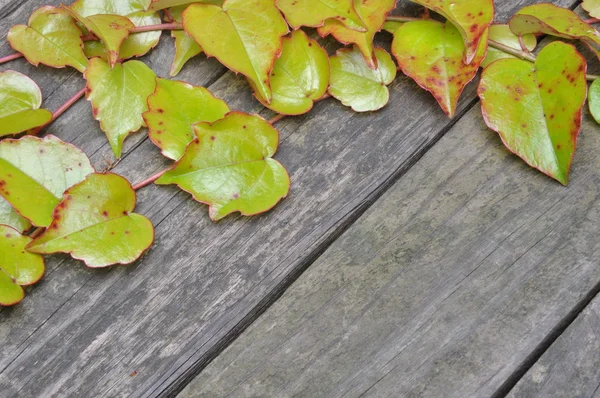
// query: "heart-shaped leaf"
[[34, 173], [119, 97], [51, 38], [162, 4], [593, 7], [185, 46], [594, 100], [10, 217], [229, 34], [556, 21], [373, 13], [173, 109], [502, 34], [110, 29], [94, 223], [471, 18], [230, 167], [313, 13], [358, 86], [431, 53], [299, 77], [20, 101], [536, 109], [17, 267]]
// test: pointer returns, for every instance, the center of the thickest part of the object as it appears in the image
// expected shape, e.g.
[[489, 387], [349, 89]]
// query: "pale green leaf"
[[594, 100], [10, 217], [162, 4], [391, 26], [313, 13], [592, 6], [502, 34], [185, 49]]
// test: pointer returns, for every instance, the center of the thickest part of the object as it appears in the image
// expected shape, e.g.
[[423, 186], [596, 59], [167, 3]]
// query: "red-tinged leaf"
[[313, 13], [471, 18], [373, 13], [431, 53], [537, 109]]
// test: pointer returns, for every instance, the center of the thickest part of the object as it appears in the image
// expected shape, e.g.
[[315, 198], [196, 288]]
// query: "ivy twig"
[[148, 180], [592, 20], [60, 110], [162, 26], [37, 232], [277, 118], [396, 18], [10, 57]]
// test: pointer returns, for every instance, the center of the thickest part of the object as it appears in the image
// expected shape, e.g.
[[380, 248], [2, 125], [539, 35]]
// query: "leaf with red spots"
[[471, 18], [10, 217], [20, 101], [230, 34], [502, 34], [34, 173], [50, 38], [358, 86], [431, 53], [592, 6], [95, 223], [537, 109], [119, 97], [110, 29], [173, 110], [373, 13], [313, 13], [556, 21], [230, 166], [17, 267], [594, 100], [299, 77]]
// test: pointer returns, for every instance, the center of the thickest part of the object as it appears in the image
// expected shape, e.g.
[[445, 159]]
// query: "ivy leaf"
[[94, 223], [593, 7], [502, 34], [471, 18], [34, 173], [10, 217], [229, 34], [20, 101], [162, 4], [391, 26], [300, 75], [431, 53], [17, 267], [358, 86], [118, 97], [122, 7], [373, 13], [51, 38], [110, 29], [230, 167], [185, 46], [536, 109], [173, 109], [556, 21], [594, 100], [313, 13]]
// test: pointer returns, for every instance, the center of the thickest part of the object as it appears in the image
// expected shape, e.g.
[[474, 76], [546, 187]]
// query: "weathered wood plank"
[[570, 368], [84, 332], [442, 289]]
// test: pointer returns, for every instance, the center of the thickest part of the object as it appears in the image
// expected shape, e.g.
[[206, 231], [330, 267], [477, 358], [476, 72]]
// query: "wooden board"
[[442, 289], [571, 366], [148, 328]]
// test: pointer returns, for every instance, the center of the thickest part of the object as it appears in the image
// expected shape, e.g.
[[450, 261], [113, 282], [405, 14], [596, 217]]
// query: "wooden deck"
[[414, 257]]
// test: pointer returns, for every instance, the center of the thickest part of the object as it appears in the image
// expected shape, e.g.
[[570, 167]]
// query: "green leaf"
[[116, 7], [391, 26], [594, 100], [20, 101], [431, 53], [110, 29], [162, 4], [17, 266], [94, 223], [502, 34], [119, 97], [313, 13], [10, 217], [185, 49], [556, 21], [299, 77], [471, 18], [373, 13], [593, 7], [358, 86], [230, 167], [173, 109], [138, 44], [51, 38], [229, 34], [34, 173], [536, 109]]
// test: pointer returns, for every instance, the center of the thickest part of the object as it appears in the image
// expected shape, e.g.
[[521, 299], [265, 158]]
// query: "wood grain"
[[147, 329]]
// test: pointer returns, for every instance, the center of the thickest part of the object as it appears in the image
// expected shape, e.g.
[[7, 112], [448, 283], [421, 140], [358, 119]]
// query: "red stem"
[[61, 110], [148, 180], [276, 118], [162, 26], [37, 232], [592, 20], [10, 57]]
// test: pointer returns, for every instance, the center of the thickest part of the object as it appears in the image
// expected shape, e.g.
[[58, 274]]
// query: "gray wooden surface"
[[571, 366], [147, 329]]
